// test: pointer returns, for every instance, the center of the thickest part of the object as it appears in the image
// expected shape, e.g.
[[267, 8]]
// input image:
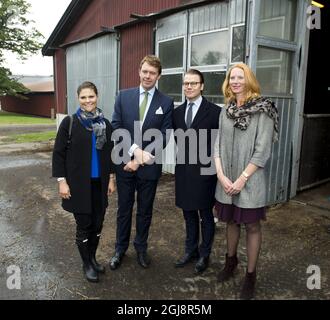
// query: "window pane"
[[237, 50], [171, 53], [213, 86], [274, 70], [171, 84], [209, 49], [278, 19]]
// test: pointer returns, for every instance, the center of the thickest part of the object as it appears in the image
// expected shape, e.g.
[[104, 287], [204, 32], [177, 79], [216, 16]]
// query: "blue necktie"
[[189, 114]]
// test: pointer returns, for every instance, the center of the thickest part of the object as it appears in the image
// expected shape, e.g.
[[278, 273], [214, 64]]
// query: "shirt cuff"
[[132, 149]]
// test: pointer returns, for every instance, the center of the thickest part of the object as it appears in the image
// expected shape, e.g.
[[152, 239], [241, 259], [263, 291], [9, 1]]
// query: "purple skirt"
[[229, 213]]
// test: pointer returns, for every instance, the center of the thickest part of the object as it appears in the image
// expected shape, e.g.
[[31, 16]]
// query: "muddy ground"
[[37, 236]]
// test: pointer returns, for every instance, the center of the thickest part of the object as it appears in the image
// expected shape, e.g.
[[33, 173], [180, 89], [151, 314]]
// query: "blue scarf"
[[94, 121]]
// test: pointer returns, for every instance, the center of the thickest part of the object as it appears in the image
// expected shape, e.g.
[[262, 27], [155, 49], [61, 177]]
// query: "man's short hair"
[[153, 61], [195, 71]]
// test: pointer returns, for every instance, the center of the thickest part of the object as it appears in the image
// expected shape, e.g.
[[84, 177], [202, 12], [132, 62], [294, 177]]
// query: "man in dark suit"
[[138, 110], [195, 188]]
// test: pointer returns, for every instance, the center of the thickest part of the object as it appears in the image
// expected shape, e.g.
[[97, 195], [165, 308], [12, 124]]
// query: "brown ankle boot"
[[248, 288], [228, 271]]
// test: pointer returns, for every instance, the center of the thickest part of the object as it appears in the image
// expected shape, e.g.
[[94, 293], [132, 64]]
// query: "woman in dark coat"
[[84, 171]]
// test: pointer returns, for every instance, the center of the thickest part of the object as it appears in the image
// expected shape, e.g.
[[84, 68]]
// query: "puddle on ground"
[[20, 161]]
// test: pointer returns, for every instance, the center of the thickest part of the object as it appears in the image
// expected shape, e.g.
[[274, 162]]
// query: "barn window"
[[209, 48], [274, 70]]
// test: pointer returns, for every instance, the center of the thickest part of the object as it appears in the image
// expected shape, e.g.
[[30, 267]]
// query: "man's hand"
[[132, 166], [64, 190], [143, 157]]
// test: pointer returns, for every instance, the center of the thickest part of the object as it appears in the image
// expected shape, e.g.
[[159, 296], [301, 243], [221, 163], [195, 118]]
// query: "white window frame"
[[282, 19], [175, 71], [178, 69], [208, 67]]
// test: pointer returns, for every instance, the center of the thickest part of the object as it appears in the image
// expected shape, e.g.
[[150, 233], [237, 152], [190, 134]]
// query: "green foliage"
[[17, 36], [9, 85]]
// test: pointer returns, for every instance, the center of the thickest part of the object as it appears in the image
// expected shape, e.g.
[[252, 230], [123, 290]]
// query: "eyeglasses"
[[192, 84]]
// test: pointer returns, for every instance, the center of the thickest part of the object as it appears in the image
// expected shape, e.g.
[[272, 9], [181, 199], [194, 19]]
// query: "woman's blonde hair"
[[252, 87]]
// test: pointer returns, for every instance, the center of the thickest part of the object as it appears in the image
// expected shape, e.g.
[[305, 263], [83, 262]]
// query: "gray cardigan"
[[236, 149]]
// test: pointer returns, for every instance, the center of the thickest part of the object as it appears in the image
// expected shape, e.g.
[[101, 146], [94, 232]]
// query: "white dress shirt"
[[151, 93], [197, 103]]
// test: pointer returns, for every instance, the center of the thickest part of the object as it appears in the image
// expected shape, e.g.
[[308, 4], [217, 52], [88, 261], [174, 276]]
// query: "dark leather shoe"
[[202, 264], [187, 257], [143, 259], [116, 260]]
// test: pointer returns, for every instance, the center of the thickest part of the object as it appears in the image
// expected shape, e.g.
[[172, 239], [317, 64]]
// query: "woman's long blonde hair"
[[252, 87]]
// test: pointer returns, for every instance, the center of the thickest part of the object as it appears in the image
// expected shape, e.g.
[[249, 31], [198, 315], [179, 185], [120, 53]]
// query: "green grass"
[[7, 118], [30, 137]]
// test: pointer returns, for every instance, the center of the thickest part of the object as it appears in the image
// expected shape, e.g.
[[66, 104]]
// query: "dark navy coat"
[[194, 191]]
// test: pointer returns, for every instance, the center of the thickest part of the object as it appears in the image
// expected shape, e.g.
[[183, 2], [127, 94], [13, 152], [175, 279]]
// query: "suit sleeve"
[[120, 134], [60, 149], [167, 123], [263, 142], [110, 130], [116, 122]]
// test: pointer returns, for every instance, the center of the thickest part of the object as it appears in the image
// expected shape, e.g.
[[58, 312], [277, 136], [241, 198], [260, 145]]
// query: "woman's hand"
[[64, 190], [111, 186], [237, 186], [225, 182]]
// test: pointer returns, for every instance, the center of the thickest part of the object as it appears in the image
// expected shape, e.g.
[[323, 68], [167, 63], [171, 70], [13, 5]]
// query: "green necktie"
[[143, 105]]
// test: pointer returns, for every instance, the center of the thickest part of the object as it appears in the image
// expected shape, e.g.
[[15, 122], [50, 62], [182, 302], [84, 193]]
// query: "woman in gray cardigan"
[[243, 146]]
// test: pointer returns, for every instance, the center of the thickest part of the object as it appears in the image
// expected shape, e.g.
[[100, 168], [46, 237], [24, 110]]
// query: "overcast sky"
[[46, 14]]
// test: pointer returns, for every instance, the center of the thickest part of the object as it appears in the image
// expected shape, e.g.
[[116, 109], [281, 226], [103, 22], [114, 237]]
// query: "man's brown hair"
[[153, 61]]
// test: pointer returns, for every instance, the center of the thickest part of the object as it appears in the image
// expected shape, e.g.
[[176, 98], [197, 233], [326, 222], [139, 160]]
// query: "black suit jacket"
[[194, 191]]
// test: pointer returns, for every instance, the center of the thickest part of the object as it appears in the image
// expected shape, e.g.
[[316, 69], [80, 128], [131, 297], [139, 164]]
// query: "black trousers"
[[194, 219], [91, 224], [146, 190]]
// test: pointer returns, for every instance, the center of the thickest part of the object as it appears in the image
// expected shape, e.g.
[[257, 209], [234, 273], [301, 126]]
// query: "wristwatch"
[[60, 179], [245, 175]]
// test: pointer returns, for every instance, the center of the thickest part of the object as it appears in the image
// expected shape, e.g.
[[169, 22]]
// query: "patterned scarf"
[[94, 121], [242, 115]]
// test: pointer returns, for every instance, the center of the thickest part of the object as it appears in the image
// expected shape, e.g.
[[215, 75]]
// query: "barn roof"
[[77, 7]]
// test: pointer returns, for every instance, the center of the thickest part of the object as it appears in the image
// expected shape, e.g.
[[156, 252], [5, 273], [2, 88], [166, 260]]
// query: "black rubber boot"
[[89, 272], [228, 271], [94, 243], [249, 284]]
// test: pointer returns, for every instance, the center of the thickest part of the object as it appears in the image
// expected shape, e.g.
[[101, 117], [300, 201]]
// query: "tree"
[[17, 36]]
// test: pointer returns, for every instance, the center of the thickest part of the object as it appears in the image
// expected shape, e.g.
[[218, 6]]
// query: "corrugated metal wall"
[[278, 167], [114, 12], [135, 43], [60, 81], [208, 18], [96, 61]]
